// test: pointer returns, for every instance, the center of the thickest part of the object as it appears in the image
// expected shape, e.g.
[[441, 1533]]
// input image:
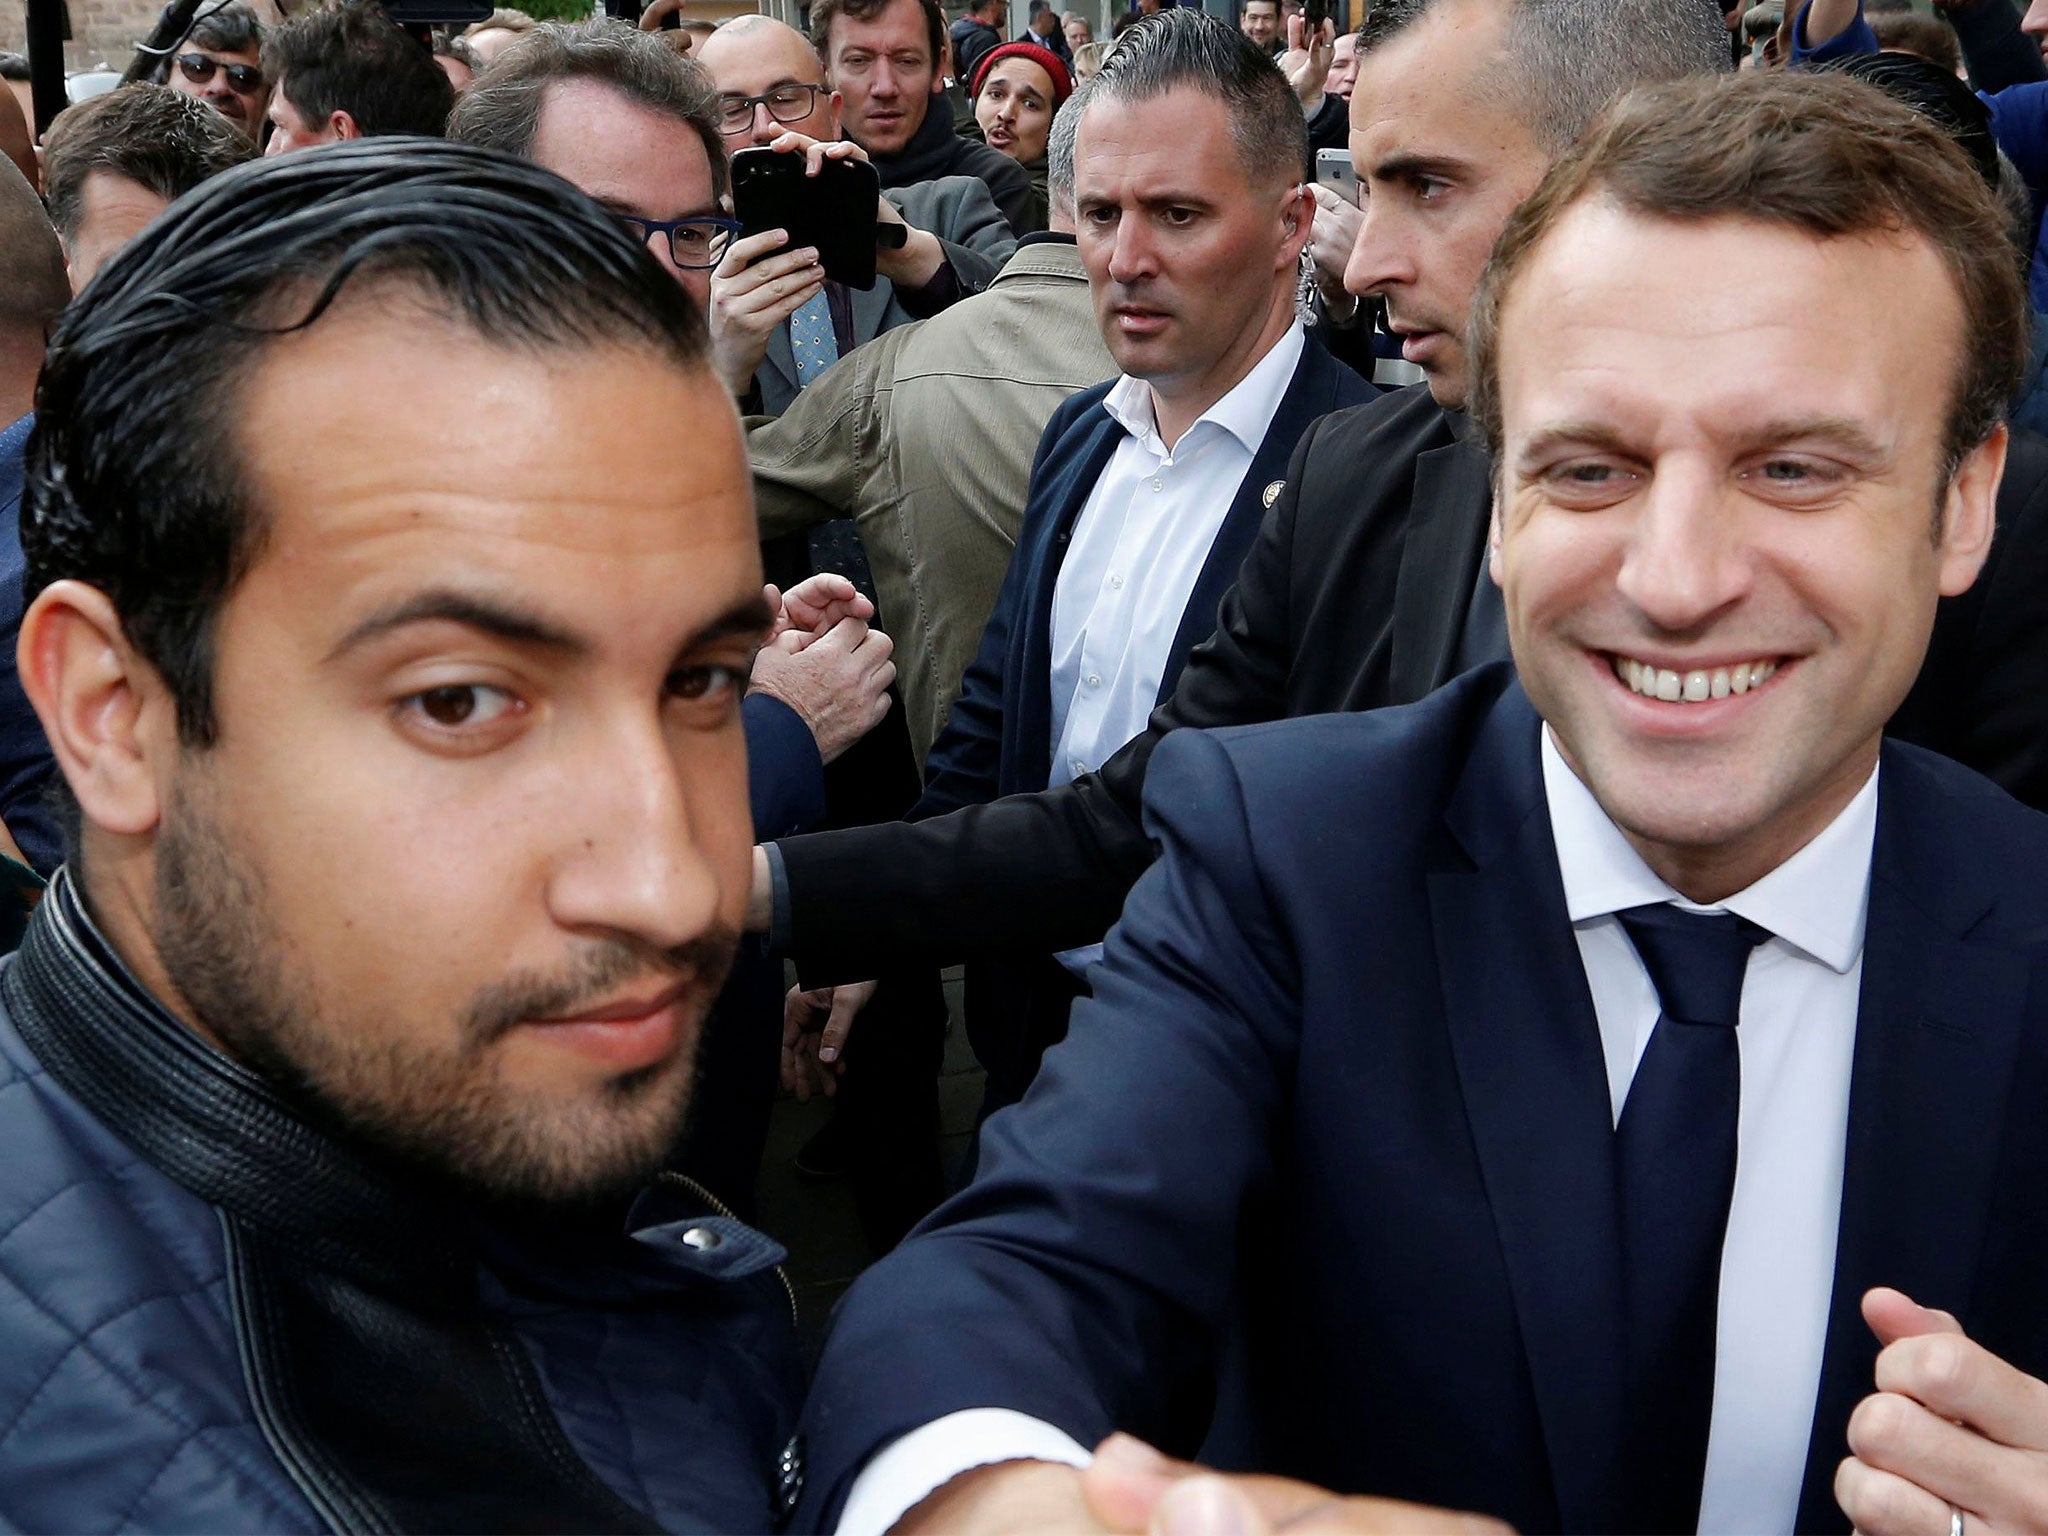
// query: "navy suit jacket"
[[1340, 1094], [998, 736]]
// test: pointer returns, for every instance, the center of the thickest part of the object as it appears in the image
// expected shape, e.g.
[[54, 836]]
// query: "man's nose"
[[1685, 560], [1131, 256], [635, 857], [1380, 256], [766, 129]]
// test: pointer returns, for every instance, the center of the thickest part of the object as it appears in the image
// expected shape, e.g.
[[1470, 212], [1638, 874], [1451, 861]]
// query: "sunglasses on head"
[[198, 68]]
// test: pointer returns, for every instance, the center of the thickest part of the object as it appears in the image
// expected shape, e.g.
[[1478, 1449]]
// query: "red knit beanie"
[[1044, 58]]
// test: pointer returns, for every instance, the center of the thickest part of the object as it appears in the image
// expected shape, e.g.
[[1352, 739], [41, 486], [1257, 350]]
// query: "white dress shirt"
[[1797, 1037], [1137, 549]]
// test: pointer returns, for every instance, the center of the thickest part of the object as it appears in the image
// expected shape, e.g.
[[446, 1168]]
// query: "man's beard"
[[445, 1111]]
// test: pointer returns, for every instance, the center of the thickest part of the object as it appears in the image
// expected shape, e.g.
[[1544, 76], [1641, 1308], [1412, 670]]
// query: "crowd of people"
[[1446, 617]]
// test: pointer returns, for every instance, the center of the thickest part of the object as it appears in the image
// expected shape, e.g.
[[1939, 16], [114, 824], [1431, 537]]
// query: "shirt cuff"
[[898, 1480], [778, 901]]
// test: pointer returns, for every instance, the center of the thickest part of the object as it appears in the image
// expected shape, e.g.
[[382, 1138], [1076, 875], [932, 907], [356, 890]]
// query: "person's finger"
[[1893, 1315], [1208, 1505], [1957, 1379], [1882, 1503], [1294, 33], [845, 636], [877, 647], [846, 1005], [742, 252], [768, 280], [885, 678], [814, 592], [1894, 1434], [1125, 1479]]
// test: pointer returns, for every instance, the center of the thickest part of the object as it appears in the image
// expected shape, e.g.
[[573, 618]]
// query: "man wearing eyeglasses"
[[221, 63], [772, 92]]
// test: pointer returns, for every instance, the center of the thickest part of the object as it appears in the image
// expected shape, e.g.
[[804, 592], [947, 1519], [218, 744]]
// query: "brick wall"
[[103, 32]]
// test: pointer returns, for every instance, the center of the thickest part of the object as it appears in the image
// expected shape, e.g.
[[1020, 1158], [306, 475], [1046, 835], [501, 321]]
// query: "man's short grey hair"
[[1184, 48], [1567, 59], [501, 109], [1059, 152]]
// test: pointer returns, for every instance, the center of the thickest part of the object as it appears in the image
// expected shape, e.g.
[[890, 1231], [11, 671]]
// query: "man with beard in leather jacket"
[[407, 840]]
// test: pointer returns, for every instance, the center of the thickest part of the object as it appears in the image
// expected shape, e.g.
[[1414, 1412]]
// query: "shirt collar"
[[1815, 901], [1245, 412]]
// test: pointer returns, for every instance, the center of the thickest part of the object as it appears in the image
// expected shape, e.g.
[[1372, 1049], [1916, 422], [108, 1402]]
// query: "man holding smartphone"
[[785, 316]]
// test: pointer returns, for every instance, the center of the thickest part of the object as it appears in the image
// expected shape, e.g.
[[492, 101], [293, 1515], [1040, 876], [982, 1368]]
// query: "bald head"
[[33, 288], [757, 56]]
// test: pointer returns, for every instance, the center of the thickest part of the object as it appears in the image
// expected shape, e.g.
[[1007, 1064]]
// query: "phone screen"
[[833, 211]]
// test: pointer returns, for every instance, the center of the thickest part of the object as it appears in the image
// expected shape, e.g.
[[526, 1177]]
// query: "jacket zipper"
[[718, 1205]]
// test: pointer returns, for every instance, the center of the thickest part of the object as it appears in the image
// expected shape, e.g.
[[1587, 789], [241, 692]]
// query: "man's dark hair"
[[1822, 154], [1567, 59], [231, 29], [135, 482], [13, 66], [351, 57], [1927, 88], [1189, 49], [149, 134], [501, 109], [822, 12]]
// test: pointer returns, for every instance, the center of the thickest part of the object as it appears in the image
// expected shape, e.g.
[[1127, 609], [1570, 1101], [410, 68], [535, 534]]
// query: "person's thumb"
[[1893, 1315], [1207, 1506]]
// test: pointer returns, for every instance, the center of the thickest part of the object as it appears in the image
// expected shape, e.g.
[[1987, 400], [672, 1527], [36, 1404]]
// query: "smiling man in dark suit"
[[1556, 1089], [1146, 492]]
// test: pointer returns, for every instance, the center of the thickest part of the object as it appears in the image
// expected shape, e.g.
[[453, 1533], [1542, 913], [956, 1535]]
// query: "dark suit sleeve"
[[785, 774], [1995, 50], [1038, 873], [1084, 1277]]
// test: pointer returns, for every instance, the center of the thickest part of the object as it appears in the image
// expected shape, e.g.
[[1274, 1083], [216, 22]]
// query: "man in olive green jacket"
[[925, 437]]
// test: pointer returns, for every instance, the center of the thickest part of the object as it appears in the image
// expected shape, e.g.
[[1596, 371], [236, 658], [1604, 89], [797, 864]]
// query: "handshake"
[[826, 661]]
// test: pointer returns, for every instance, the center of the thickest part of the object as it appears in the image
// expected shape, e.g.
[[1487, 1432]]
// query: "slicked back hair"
[[158, 138], [1187, 49], [1059, 153], [135, 482], [351, 57], [1821, 154], [1565, 60], [501, 109]]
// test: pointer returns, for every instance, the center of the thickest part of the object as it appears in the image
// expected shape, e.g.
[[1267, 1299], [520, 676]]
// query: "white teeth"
[[1691, 687]]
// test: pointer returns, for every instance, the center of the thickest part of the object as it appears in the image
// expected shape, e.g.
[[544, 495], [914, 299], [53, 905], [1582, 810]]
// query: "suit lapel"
[[1439, 565], [780, 361], [1527, 1047], [1086, 453], [1311, 393], [870, 306], [1938, 1029]]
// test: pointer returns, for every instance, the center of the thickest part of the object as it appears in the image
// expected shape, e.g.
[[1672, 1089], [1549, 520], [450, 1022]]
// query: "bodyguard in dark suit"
[[1552, 1087], [1146, 491]]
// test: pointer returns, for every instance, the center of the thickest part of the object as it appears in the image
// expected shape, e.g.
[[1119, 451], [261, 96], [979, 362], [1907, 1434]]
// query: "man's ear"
[[103, 707], [341, 127], [1969, 514]]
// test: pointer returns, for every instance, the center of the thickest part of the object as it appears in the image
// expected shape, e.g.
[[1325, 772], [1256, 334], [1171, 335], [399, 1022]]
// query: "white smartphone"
[[1333, 170]]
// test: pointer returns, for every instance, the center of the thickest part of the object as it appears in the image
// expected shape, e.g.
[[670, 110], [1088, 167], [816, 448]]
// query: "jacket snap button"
[[703, 1239]]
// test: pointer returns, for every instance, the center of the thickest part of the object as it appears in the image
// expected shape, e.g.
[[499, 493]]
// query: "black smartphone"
[[833, 210], [1313, 14]]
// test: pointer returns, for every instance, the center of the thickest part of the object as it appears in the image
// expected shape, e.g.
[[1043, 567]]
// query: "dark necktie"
[[1676, 1160]]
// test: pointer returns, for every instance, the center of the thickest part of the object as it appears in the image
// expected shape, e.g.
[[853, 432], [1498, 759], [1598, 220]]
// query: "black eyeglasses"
[[695, 244], [786, 104], [198, 68]]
